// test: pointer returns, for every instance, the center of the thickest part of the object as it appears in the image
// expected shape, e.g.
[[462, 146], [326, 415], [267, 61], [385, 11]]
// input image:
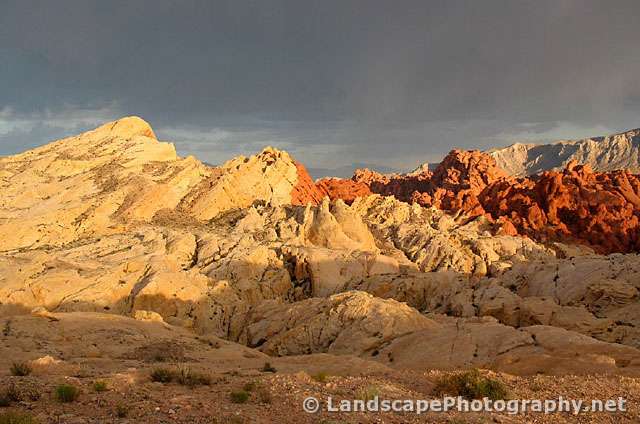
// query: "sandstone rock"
[[605, 205], [99, 182], [435, 242], [346, 190], [147, 316], [484, 343], [346, 323], [112, 221], [576, 205]]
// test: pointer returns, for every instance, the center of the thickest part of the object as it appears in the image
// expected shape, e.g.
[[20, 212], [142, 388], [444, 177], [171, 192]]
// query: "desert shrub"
[[17, 418], [187, 377], [6, 330], [66, 393], [368, 393], [240, 396], [268, 368], [320, 377], [162, 375], [100, 386], [30, 393], [122, 410], [264, 395], [20, 369], [10, 394], [471, 385]]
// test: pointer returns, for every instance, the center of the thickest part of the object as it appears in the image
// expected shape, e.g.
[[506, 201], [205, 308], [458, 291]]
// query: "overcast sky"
[[389, 83]]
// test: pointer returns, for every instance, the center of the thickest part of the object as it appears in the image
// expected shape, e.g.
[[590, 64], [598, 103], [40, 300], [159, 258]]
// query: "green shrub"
[[4, 400], [187, 377], [368, 393], [20, 369], [66, 393], [471, 385], [264, 395], [240, 396], [320, 377], [268, 368], [100, 386], [162, 375], [17, 418]]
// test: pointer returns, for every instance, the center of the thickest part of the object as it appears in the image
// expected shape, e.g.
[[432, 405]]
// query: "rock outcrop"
[[576, 205], [454, 185], [117, 174], [114, 222], [601, 210], [603, 154], [346, 323], [346, 190]]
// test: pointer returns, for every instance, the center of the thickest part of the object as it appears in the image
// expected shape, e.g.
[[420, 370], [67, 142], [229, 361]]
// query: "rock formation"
[[600, 210], [119, 173], [346, 190], [454, 185], [603, 154], [423, 271]]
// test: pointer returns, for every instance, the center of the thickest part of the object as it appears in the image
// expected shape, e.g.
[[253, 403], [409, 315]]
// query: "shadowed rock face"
[[114, 222]]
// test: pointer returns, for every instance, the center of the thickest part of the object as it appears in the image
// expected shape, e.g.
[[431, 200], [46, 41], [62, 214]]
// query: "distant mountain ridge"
[[608, 153]]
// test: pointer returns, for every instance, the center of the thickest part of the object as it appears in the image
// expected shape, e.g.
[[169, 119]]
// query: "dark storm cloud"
[[388, 82]]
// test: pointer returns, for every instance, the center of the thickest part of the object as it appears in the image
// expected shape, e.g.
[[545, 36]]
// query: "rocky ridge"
[[596, 209], [602, 154], [113, 222], [119, 174]]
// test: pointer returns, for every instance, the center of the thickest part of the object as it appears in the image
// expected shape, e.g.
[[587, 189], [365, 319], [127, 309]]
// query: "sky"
[[337, 83]]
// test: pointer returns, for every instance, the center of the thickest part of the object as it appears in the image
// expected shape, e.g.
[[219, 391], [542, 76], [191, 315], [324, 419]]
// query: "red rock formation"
[[575, 205], [305, 191], [453, 186], [401, 186], [460, 177], [599, 209], [347, 190]]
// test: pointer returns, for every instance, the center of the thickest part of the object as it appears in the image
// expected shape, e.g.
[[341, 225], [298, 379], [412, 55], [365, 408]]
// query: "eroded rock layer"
[[113, 222]]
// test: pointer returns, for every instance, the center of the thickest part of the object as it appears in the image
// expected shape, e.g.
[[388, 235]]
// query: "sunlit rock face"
[[603, 154], [600, 210], [462, 267]]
